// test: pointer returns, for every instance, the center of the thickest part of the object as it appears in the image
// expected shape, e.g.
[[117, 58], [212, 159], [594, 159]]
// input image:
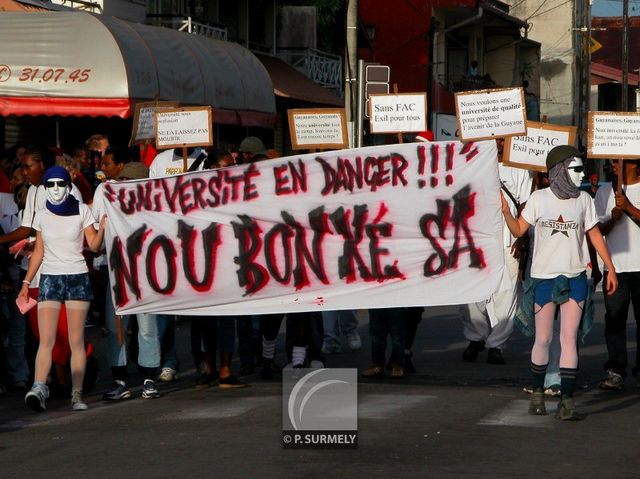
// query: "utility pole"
[[351, 64], [624, 103], [582, 84]]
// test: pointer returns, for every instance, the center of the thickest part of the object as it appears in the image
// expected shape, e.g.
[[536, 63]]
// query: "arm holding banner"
[[517, 226], [94, 238]]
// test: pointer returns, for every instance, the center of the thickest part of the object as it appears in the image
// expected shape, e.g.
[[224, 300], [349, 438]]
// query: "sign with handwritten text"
[[144, 120], [376, 227]]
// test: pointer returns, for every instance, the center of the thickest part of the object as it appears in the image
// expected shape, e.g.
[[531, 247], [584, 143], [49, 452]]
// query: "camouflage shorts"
[[65, 287]]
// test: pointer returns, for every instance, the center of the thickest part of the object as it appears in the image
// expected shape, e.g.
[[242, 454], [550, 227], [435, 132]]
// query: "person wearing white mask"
[[61, 227], [563, 216]]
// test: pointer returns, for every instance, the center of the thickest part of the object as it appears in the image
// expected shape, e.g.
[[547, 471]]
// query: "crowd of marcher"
[[53, 262]]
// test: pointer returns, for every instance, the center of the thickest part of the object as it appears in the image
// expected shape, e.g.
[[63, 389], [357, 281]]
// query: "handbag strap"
[[510, 195], [196, 164]]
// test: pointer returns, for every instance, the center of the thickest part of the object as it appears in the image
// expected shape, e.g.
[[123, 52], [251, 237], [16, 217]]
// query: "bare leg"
[[48, 313], [76, 316]]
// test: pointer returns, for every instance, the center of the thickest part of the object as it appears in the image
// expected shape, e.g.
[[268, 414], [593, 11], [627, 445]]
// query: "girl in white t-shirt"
[[61, 227], [563, 216]]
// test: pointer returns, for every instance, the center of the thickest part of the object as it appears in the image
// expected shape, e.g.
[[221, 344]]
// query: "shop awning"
[[290, 83], [605, 74], [29, 6], [78, 63]]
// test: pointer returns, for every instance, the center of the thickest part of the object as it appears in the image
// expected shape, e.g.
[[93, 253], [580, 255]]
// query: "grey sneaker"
[[613, 381], [36, 398], [77, 404], [117, 391], [149, 390]]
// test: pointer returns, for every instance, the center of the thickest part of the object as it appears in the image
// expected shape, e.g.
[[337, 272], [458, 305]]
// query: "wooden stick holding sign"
[[185, 159], [614, 135], [183, 128]]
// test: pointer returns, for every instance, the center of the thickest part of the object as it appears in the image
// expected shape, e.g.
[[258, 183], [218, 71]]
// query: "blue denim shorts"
[[578, 289], [65, 287]]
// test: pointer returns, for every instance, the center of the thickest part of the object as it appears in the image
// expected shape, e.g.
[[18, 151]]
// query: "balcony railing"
[[323, 68], [189, 25], [87, 6]]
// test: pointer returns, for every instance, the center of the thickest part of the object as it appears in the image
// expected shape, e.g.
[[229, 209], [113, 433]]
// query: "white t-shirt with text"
[[168, 164], [560, 229]]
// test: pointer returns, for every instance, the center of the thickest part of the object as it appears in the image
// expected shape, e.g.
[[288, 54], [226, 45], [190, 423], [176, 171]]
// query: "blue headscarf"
[[69, 206]]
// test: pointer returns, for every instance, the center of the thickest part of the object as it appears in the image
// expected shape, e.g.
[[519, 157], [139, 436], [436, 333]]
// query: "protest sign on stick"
[[487, 114], [397, 113], [184, 127], [375, 227], [321, 128], [144, 119], [529, 151], [613, 134]]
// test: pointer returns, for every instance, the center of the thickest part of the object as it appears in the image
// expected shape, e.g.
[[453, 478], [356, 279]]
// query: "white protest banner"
[[144, 120], [183, 127], [324, 128], [398, 113], [613, 134], [530, 151], [376, 227], [485, 114]]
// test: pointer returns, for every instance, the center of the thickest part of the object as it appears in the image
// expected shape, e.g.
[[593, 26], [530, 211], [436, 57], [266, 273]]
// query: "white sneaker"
[[77, 404], [167, 375], [149, 390], [354, 341]]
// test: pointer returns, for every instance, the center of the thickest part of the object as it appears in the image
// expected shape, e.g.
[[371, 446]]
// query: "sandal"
[[375, 371]]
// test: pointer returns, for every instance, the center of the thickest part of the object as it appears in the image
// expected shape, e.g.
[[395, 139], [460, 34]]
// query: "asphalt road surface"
[[450, 420]]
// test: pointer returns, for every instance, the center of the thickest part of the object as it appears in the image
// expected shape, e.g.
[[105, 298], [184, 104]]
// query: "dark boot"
[[471, 353], [567, 410], [536, 405]]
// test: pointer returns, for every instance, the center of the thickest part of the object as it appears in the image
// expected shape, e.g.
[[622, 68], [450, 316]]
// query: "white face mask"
[[57, 190], [576, 171]]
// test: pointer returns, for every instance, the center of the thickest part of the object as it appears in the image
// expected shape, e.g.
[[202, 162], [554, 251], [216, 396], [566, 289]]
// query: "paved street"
[[451, 420]]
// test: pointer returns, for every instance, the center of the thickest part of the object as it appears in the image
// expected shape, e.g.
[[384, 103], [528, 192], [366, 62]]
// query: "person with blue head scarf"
[[61, 228], [563, 217], [57, 184]]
